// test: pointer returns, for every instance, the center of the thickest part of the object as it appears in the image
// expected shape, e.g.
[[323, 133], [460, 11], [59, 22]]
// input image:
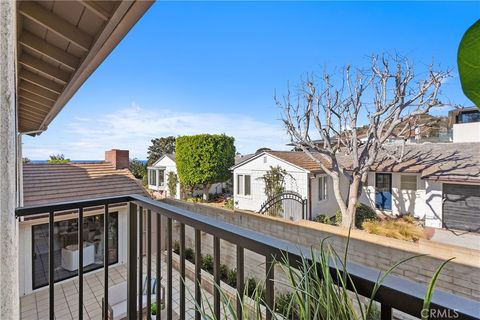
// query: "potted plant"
[[154, 310]]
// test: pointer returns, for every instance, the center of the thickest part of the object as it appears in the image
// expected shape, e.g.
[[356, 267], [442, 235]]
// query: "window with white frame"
[[152, 177], [161, 177], [408, 182], [244, 184], [322, 188]]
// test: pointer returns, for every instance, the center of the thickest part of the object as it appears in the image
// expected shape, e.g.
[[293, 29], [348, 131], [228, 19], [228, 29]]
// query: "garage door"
[[461, 207]]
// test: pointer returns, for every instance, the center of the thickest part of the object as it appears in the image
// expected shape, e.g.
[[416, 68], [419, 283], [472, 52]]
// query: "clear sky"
[[213, 67]]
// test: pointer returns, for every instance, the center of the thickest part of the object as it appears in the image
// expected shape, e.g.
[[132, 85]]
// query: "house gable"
[[164, 161], [258, 163]]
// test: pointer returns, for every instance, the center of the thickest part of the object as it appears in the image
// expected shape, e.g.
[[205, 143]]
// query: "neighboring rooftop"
[[435, 161], [49, 183]]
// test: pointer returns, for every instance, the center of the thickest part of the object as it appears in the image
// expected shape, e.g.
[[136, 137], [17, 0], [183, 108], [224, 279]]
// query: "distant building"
[[465, 124]]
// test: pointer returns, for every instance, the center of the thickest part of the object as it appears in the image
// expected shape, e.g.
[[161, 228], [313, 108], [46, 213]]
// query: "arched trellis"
[[285, 204]]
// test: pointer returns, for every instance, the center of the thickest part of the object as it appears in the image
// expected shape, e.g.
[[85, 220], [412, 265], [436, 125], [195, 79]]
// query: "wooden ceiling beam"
[[32, 113], [97, 9], [26, 118], [39, 45], [33, 105], [56, 24], [41, 81], [35, 89], [44, 67], [35, 98]]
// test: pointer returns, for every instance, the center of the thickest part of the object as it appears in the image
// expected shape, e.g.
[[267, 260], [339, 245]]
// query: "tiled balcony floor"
[[35, 306]]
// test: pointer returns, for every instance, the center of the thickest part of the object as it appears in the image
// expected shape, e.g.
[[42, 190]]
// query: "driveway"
[[464, 239]]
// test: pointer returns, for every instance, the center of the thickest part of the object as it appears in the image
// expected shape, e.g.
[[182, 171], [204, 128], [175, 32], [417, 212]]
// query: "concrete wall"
[[466, 132], [25, 248], [257, 168], [9, 298], [461, 276]]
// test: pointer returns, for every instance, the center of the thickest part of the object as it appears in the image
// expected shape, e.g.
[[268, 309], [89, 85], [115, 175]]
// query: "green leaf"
[[469, 63]]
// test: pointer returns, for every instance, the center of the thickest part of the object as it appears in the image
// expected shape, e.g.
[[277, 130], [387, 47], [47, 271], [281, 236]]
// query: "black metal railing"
[[394, 294]]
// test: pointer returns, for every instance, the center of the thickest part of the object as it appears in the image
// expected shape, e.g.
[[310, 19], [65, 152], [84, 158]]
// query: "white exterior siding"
[[257, 168], [329, 206]]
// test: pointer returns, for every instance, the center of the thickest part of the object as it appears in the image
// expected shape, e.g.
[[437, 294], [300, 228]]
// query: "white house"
[[159, 172], [437, 182]]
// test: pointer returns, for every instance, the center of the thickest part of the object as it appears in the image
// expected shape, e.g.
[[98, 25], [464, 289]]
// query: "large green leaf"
[[469, 63]]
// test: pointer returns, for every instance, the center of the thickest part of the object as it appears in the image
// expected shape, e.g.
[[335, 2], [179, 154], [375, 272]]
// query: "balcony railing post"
[[140, 262], [149, 265], [169, 270], [51, 265], [182, 271], [385, 312], [80, 263], [269, 286], [216, 277], [240, 281], [198, 273], [106, 222], [132, 262], [158, 270]]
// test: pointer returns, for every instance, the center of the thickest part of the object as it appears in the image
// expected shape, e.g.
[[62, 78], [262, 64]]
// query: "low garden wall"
[[460, 276]]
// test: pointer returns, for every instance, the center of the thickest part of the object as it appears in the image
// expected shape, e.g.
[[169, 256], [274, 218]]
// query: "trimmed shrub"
[[325, 219]]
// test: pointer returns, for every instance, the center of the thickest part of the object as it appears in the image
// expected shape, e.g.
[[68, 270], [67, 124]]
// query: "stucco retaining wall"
[[460, 276]]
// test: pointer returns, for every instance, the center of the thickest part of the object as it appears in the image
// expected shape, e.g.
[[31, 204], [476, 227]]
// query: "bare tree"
[[355, 115]]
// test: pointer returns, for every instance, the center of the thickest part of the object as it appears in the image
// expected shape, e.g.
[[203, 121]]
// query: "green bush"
[[224, 272], [363, 213], [190, 255], [232, 278], [207, 263], [229, 204], [325, 219], [176, 247], [194, 199]]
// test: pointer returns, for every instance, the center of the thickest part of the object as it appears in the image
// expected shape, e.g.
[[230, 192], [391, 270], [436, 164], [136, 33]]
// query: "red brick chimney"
[[119, 158]]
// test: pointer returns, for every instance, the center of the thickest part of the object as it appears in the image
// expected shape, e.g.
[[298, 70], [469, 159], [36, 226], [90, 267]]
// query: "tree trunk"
[[348, 218], [206, 188], [338, 194]]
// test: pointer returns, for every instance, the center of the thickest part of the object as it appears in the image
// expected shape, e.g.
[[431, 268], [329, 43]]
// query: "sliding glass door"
[[66, 248]]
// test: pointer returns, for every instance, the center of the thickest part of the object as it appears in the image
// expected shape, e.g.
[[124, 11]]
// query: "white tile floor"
[[35, 306]]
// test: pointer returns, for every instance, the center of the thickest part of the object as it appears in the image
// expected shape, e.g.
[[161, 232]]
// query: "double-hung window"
[[153, 177], [322, 188], [244, 185]]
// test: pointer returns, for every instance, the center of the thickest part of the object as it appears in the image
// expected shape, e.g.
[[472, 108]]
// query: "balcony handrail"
[[398, 293]]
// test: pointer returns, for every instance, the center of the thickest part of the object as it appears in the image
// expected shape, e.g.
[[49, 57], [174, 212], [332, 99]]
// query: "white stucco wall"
[[433, 204], [9, 297], [466, 132], [257, 168], [25, 246]]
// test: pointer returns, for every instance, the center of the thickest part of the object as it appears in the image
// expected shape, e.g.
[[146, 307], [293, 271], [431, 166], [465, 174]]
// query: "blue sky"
[[195, 67]]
